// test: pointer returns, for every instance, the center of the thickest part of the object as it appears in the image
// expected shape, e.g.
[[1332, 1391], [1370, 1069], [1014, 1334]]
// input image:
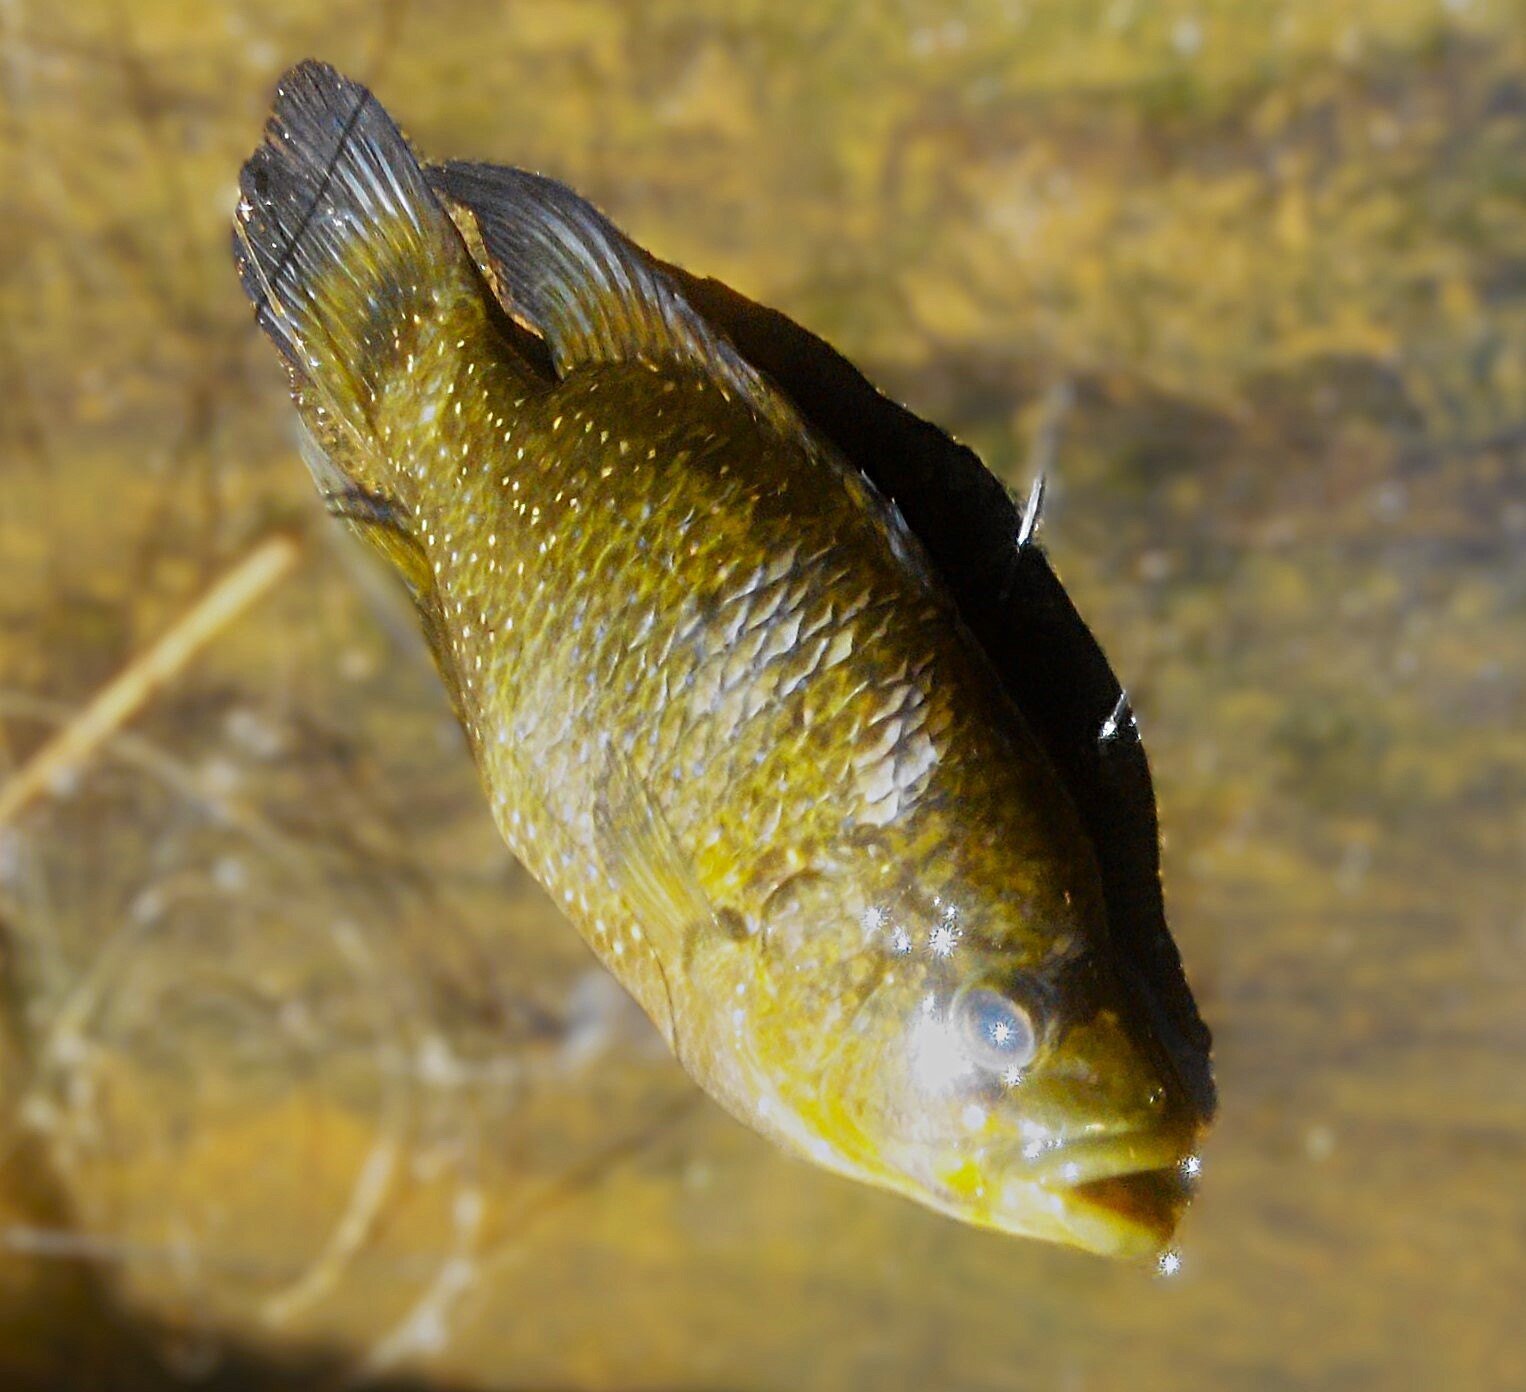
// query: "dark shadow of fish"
[[1007, 593], [1048, 659]]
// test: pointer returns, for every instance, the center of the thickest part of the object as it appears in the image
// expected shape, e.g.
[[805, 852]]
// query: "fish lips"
[[1120, 1195]]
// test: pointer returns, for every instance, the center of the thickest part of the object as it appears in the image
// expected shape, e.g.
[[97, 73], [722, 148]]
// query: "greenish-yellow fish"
[[723, 704]]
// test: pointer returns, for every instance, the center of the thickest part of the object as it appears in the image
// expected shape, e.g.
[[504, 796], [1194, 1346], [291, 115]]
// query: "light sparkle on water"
[[937, 1056], [943, 939]]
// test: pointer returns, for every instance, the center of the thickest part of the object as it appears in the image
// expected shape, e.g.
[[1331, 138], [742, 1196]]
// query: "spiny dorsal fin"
[[596, 296]]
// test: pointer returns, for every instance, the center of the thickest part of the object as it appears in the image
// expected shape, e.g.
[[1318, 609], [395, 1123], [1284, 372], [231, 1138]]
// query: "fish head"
[[995, 1067]]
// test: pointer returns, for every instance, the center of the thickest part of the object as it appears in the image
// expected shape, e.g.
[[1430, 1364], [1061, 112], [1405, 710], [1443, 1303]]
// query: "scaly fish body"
[[723, 705]]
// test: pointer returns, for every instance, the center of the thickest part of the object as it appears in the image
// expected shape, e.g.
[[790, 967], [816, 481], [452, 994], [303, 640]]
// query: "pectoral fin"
[[384, 527], [656, 877]]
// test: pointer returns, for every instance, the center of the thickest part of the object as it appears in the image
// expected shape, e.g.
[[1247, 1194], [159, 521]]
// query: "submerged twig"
[[146, 757], [116, 702]]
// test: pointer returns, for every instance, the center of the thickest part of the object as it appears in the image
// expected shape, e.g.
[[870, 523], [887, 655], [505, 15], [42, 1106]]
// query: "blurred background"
[[303, 1082]]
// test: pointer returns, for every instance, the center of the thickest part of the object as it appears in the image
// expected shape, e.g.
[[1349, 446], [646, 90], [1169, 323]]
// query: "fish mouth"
[[1119, 1196]]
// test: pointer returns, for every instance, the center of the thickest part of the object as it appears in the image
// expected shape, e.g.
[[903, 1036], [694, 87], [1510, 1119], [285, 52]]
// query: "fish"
[[729, 706]]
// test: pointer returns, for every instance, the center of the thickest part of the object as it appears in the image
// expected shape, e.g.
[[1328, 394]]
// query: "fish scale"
[[817, 725], [722, 702]]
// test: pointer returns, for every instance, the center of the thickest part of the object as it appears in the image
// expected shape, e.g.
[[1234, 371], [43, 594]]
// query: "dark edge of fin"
[[596, 296], [1008, 594], [1048, 659], [335, 227]]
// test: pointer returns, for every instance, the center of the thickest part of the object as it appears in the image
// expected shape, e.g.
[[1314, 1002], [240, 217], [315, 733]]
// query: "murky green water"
[[301, 1073]]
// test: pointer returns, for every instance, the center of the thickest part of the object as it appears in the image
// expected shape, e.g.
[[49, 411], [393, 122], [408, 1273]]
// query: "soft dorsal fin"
[[595, 296]]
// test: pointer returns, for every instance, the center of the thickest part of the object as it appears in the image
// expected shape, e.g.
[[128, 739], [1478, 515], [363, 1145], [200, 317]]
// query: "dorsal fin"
[[565, 269]]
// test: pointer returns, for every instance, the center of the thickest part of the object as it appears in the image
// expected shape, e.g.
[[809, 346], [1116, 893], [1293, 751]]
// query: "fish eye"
[[999, 1034]]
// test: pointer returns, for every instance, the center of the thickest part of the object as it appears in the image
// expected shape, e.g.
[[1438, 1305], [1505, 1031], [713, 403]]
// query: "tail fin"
[[338, 239]]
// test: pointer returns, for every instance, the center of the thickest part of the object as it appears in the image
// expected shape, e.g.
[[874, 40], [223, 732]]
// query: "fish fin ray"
[[385, 527], [655, 875], [595, 295], [333, 179], [341, 245]]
